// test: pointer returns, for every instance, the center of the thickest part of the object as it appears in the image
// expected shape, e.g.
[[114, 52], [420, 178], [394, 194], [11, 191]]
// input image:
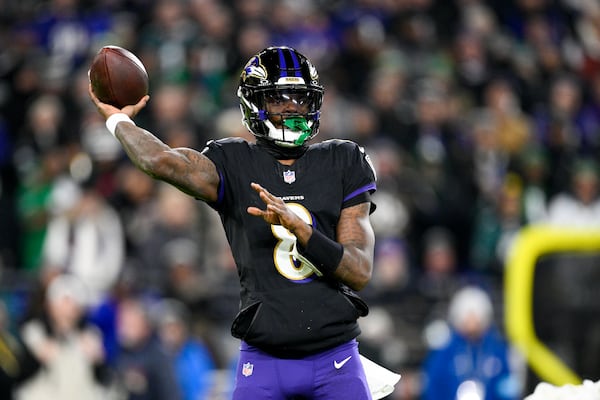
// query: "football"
[[118, 77]]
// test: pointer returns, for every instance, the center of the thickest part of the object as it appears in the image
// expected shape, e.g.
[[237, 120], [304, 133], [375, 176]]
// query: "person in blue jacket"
[[193, 362], [474, 362]]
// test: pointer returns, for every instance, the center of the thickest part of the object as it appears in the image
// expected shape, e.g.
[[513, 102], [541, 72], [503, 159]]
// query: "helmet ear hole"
[[275, 71]]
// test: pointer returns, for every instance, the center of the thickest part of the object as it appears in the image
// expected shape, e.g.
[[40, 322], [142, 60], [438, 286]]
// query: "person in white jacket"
[[68, 350], [85, 238], [580, 206]]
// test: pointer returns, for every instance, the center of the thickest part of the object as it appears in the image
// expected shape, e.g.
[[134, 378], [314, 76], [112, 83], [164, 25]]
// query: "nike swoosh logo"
[[338, 365]]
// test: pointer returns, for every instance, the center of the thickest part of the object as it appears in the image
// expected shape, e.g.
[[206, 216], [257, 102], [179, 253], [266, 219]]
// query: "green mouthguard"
[[298, 124]]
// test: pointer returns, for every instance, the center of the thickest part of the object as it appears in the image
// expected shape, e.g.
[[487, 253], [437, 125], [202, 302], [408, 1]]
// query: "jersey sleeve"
[[215, 151], [360, 179]]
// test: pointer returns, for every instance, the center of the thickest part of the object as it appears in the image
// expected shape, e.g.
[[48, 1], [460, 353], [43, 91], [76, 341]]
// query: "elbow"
[[361, 280], [355, 270], [361, 285]]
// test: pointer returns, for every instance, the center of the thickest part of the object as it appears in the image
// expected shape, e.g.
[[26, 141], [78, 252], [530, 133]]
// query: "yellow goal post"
[[530, 244]]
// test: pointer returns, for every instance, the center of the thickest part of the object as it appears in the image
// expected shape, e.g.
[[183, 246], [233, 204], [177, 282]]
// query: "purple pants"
[[335, 374]]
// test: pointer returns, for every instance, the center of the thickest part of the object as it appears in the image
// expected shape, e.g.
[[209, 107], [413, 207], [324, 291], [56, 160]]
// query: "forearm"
[[350, 258], [142, 147], [355, 268], [356, 234]]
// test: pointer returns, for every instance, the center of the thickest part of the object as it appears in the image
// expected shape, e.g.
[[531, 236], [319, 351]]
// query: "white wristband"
[[113, 120]]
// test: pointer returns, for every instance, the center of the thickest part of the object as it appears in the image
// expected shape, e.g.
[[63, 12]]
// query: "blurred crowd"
[[481, 117]]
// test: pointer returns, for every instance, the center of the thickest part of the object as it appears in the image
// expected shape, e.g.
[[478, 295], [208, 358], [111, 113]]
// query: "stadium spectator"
[[439, 271], [144, 370], [84, 237], [193, 362], [172, 216], [495, 227], [68, 349], [532, 166], [469, 360], [34, 201], [17, 364], [578, 207]]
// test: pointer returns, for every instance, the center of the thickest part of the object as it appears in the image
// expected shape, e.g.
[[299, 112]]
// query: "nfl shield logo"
[[247, 369], [289, 176]]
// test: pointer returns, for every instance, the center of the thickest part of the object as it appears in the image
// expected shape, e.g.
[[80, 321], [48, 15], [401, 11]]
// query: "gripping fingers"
[[133, 110], [107, 110]]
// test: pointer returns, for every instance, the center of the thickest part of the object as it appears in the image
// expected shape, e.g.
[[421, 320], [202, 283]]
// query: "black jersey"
[[285, 308]]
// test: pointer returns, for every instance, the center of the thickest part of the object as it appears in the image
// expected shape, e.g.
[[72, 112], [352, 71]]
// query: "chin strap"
[[298, 124]]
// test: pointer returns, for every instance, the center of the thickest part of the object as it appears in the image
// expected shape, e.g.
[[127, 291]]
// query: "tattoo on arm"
[[187, 169], [198, 177], [355, 233]]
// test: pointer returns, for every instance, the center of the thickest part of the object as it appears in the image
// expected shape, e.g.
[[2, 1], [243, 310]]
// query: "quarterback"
[[296, 216]]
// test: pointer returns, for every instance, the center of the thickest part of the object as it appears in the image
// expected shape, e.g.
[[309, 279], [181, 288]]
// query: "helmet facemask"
[[279, 107], [290, 115]]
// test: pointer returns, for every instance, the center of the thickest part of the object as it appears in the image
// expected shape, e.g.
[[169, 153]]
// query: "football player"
[[297, 219]]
